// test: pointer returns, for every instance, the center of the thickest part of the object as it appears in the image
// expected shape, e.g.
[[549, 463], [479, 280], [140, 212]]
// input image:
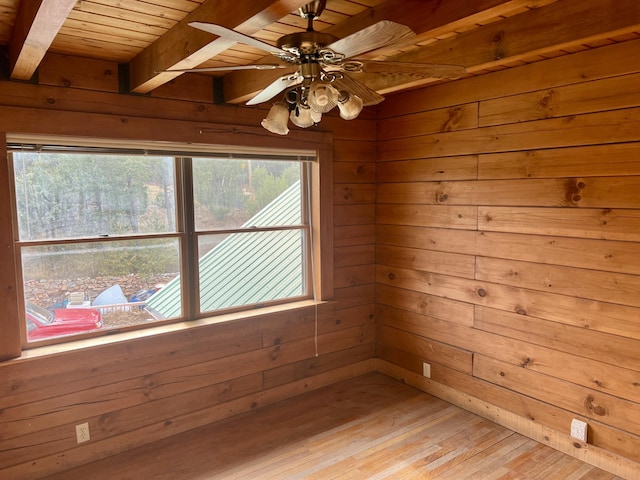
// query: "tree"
[[218, 190], [267, 186]]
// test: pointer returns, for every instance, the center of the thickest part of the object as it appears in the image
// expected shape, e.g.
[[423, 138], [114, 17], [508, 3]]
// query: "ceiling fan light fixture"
[[315, 116], [277, 118], [322, 97], [301, 116], [350, 105], [323, 64]]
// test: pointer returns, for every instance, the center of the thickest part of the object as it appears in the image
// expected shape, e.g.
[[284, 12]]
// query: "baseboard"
[[598, 457]]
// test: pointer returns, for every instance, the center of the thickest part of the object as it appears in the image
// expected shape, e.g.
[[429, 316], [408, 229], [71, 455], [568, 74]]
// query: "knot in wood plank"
[[527, 361], [597, 409], [573, 191], [453, 119]]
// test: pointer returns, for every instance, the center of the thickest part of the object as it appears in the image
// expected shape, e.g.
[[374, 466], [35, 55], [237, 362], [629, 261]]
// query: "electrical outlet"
[[426, 369], [82, 433], [579, 430]]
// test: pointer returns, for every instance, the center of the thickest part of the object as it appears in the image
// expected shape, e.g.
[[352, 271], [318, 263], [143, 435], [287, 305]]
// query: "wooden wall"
[[501, 246], [508, 244], [135, 391]]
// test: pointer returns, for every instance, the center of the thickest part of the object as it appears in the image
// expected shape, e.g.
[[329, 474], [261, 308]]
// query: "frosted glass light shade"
[[315, 116], [322, 97], [277, 118], [351, 107], [301, 117]]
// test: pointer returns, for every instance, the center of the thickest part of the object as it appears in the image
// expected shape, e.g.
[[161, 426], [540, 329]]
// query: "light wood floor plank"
[[372, 427]]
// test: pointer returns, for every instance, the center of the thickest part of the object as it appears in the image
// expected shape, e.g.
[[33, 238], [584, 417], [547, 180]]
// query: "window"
[[110, 239]]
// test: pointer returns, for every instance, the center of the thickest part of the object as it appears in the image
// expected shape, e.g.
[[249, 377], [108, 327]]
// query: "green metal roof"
[[249, 267]]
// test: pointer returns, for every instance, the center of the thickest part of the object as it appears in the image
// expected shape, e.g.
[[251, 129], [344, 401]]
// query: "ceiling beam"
[[429, 19], [562, 26], [186, 47], [37, 23]]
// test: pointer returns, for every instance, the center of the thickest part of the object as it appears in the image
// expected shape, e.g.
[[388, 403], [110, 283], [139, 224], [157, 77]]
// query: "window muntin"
[[117, 234]]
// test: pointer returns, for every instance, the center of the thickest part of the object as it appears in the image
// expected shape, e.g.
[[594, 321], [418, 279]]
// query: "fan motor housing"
[[313, 9], [306, 43]]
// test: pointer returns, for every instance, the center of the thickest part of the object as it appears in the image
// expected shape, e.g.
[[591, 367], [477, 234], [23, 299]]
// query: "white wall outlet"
[[82, 433], [426, 369], [579, 430]]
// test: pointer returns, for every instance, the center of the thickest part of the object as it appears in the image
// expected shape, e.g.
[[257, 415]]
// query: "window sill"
[[110, 339]]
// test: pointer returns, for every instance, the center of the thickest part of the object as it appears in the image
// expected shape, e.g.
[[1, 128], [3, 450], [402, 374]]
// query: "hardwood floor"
[[372, 427]]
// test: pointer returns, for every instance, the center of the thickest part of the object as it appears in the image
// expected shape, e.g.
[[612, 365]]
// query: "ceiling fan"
[[325, 69]]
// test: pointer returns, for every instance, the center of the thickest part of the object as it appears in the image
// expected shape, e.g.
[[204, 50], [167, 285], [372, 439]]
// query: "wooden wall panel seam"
[[612, 93], [578, 130], [601, 316], [615, 159]]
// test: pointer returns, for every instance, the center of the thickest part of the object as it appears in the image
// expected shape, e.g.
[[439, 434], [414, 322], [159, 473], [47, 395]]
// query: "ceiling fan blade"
[[419, 70], [373, 37], [229, 34], [266, 66], [275, 88], [368, 96]]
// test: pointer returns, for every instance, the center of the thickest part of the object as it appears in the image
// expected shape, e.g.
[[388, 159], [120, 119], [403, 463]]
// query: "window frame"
[[191, 302], [320, 227]]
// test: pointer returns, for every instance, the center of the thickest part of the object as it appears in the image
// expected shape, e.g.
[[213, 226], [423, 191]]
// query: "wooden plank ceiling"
[[153, 35]]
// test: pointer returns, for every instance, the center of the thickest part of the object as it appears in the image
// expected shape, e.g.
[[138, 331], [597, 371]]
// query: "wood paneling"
[[464, 217], [608, 409], [592, 161], [617, 350], [514, 244], [449, 168], [587, 97], [427, 260], [605, 255], [593, 192], [354, 235], [460, 117], [588, 129], [428, 238], [91, 74], [604, 224], [144, 388], [591, 284]]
